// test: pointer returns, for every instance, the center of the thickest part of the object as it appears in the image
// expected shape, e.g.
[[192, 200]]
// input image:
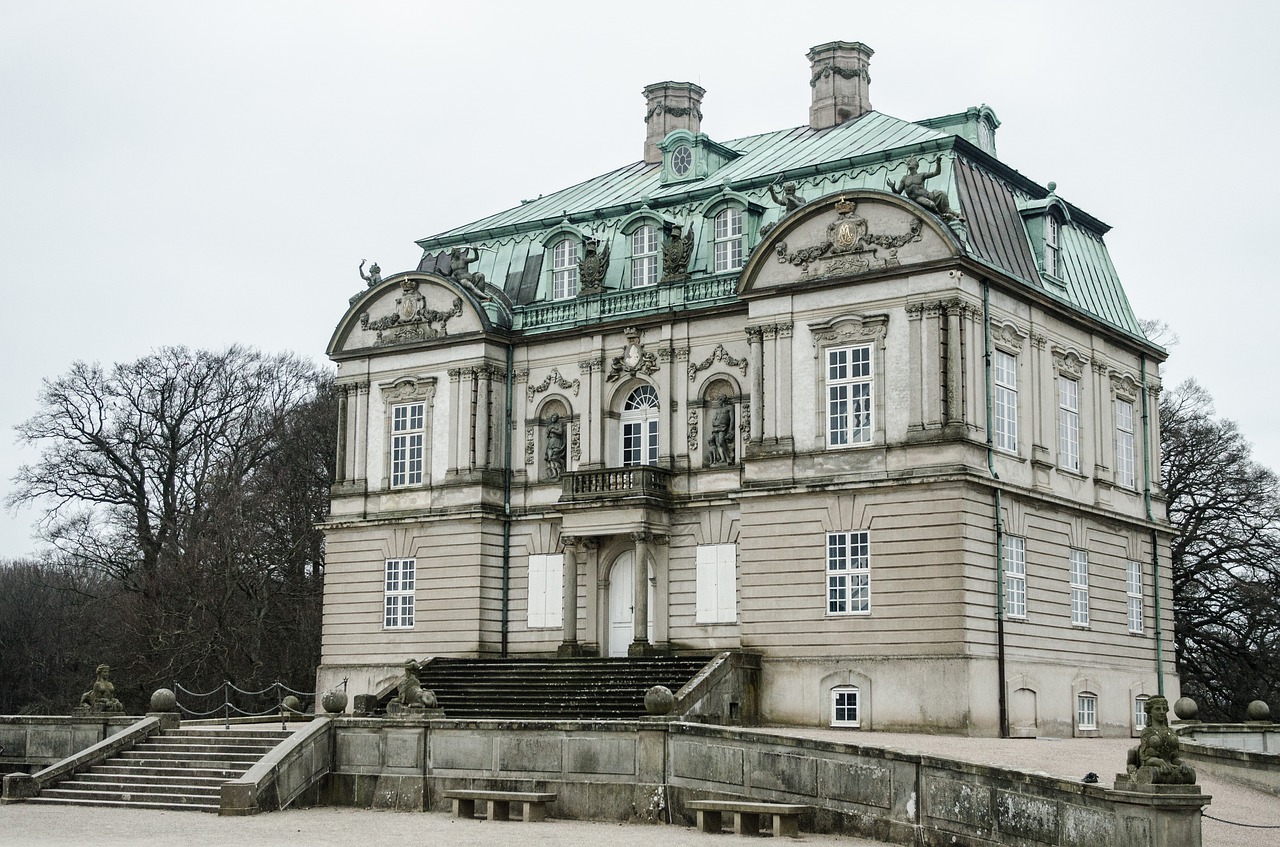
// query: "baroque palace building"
[[855, 396]]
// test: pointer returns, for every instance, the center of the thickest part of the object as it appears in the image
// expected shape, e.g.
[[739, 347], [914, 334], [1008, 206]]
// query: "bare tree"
[[1225, 510]]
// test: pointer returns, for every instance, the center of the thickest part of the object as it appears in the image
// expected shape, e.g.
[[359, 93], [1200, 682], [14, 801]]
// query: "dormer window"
[[1051, 244], [644, 256], [564, 269], [681, 160], [728, 240]]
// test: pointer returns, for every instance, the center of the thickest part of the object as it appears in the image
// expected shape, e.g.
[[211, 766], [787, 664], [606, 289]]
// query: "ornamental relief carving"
[[1008, 335], [1068, 362], [693, 430], [409, 390], [848, 329], [411, 320], [718, 355], [633, 360], [554, 378], [849, 248], [1124, 386]]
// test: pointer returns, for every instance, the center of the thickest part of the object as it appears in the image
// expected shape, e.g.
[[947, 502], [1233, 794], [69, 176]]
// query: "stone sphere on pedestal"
[[659, 700], [163, 700], [291, 704], [334, 701], [1258, 710], [1186, 709]]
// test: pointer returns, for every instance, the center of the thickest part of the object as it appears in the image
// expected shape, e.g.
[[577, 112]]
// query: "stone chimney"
[[669, 106], [839, 80]]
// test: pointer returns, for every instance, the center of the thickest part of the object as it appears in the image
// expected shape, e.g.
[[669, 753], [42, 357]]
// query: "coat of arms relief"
[[850, 247]]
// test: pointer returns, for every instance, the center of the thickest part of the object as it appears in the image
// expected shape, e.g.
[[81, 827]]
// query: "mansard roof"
[[866, 153]]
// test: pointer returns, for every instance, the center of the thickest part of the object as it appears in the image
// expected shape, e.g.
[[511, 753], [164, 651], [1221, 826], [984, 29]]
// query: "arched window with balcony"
[[640, 427]]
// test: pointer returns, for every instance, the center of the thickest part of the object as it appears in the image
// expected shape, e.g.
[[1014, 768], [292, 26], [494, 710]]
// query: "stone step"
[[114, 767], [186, 746], [188, 755], [130, 787], [219, 736], [128, 804], [181, 778], [128, 795]]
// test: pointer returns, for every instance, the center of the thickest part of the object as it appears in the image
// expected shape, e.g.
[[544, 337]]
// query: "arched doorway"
[[621, 606]]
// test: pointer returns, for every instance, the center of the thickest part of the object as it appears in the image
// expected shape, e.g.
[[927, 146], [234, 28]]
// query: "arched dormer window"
[[565, 256], [645, 259], [727, 239], [640, 427], [1045, 220], [1051, 228]]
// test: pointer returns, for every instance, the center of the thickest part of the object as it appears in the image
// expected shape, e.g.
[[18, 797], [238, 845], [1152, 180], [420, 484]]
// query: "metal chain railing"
[[243, 702]]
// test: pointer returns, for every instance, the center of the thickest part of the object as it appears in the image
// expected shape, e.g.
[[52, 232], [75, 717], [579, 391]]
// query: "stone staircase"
[[553, 689], [179, 769]]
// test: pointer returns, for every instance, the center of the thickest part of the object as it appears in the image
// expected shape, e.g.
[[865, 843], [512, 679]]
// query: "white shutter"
[[537, 591], [727, 583], [706, 600], [553, 591]]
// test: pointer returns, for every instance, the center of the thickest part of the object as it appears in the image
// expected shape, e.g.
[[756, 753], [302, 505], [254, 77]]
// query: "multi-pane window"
[[1086, 711], [564, 269], [1015, 576], [1124, 444], [640, 427], [1079, 587], [848, 395], [848, 573], [546, 581], [1005, 371], [398, 588], [1134, 592], [407, 444], [844, 706], [644, 256], [1051, 245], [728, 240], [1140, 712], [1068, 423], [717, 589]]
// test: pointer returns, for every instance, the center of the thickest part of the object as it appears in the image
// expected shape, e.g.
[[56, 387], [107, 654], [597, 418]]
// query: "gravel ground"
[[32, 825]]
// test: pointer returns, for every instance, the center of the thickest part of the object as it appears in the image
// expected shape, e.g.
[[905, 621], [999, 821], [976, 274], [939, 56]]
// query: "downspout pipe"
[[1002, 698], [506, 503], [1155, 540]]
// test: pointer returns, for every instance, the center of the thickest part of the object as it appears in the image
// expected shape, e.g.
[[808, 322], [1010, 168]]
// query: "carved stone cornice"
[[590, 365], [554, 378], [1038, 340], [718, 355], [848, 329]]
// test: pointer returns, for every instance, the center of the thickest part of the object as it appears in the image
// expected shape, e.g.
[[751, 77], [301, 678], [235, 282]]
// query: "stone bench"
[[746, 816], [534, 802]]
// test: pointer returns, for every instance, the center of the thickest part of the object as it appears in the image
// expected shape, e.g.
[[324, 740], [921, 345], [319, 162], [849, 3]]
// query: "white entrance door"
[[622, 619]]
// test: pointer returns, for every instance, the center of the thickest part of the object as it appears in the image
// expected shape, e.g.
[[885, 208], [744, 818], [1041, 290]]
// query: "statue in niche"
[[1156, 759], [788, 198], [913, 187], [720, 441], [676, 250], [460, 258], [592, 267], [102, 696], [410, 693], [553, 452], [373, 277]]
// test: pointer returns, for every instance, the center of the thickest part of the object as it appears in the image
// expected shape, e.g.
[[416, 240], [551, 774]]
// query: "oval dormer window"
[[681, 160]]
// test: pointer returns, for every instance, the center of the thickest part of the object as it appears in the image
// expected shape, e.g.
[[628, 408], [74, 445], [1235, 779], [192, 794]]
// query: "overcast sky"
[[213, 173]]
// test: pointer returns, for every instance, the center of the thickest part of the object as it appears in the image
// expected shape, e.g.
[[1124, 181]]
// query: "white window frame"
[[408, 443], [1069, 423], [565, 256], [1079, 587], [1005, 377], [1015, 577], [546, 591], [644, 256], [399, 590], [1052, 257], [846, 706], [1133, 593], [717, 583], [727, 240], [849, 573], [1125, 466], [639, 427], [1086, 711], [850, 395], [1140, 712]]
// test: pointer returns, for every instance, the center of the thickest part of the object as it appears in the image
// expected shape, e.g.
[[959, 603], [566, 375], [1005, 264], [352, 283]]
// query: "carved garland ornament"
[[718, 355], [411, 320], [850, 246], [554, 378], [844, 73], [693, 430]]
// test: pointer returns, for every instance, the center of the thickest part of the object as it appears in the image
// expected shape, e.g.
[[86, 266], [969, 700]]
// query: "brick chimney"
[[839, 80], [669, 106]]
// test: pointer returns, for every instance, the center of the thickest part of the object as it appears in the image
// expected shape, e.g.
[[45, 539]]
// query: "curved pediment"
[[846, 235], [408, 308]]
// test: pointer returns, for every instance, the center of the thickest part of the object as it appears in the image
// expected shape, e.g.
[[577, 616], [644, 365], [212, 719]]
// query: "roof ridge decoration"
[[912, 186]]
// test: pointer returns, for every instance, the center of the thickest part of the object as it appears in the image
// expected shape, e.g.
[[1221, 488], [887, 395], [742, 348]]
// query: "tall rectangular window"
[[848, 573], [398, 593], [564, 269], [1068, 423], [1005, 373], [848, 395], [1140, 712], [1086, 711], [1015, 576], [1134, 592], [644, 256], [406, 444], [728, 240], [717, 589], [1079, 588], [1124, 444], [1051, 244], [546, 584]]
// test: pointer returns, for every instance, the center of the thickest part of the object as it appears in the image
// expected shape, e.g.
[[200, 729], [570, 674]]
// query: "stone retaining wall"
[[32, 742]]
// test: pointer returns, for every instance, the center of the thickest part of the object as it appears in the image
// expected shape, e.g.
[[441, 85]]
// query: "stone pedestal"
[[1157, 815]]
